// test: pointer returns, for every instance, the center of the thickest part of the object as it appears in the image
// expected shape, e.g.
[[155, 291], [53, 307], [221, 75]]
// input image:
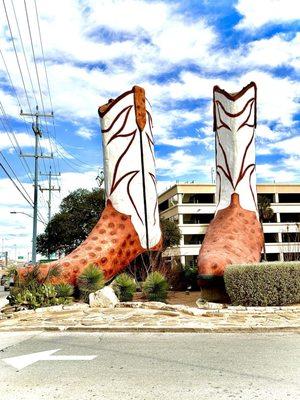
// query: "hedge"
[[263, 284]]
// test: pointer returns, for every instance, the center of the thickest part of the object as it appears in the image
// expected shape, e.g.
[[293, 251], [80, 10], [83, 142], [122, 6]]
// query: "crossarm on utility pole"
[[50, 189]]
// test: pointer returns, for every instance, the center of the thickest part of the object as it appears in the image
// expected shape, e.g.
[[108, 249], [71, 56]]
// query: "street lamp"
[[28, 215]]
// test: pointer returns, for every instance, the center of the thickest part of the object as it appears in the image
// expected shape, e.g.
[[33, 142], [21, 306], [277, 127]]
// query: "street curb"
[[152, 329]]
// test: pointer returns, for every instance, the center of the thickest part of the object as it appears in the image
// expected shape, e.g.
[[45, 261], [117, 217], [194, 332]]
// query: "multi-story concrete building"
[[192, 207]]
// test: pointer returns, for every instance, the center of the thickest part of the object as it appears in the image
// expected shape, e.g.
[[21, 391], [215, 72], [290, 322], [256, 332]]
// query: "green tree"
[[170, 232], [264, 208], [78, 213]]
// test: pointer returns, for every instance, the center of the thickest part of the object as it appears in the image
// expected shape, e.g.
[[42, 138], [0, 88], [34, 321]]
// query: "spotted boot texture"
[[235, 234], [129, 224]]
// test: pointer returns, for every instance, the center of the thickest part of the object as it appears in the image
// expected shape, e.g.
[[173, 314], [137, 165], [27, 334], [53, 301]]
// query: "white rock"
[[104, 298], [3, 302]]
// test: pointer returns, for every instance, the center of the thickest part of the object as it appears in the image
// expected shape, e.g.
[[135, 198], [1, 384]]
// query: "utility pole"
[[36, 156], [50, 189]]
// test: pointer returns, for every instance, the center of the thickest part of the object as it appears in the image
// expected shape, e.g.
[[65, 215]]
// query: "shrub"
[[125, 287], [91, 280], [41, 296], [190, 273], [34, 289], [264, 284], [173, 273], [64, 290], [155, 287]]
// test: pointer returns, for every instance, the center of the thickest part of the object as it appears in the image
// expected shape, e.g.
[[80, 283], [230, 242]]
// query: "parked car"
[[3, 279], [5, 282]]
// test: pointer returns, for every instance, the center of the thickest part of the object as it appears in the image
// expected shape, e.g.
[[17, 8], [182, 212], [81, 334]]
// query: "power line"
[[16, 144], [24, 53], [21, 160], [19, 190], [43, 55], [72, 155], [16, 177], [8, 129], [16, 186], [10, 80], [37, 72], [47, 80], [16, 54], [13, 87]]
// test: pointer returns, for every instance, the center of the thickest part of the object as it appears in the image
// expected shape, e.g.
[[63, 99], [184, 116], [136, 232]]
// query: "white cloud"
[[26, 140], [181, 141], [273, 52], [277, 97], [84, 133], [288, 146], [275, 173], [264, 132], [166, 121], [259, 13], [182, 163]]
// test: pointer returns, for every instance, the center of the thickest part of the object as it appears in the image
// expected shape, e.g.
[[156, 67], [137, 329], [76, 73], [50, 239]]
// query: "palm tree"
[[265, 212], [264, 208]]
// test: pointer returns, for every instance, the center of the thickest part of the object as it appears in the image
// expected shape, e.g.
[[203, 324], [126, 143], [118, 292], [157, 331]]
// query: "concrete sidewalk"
[[153, 317]]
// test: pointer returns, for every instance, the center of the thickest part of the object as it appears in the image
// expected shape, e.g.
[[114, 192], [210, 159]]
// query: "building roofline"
[[175, 186]]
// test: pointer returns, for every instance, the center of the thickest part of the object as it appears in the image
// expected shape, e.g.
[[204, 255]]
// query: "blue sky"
[[95, 50]]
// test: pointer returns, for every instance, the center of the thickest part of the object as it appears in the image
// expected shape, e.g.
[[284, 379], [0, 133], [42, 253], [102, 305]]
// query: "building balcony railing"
[[193, 249]]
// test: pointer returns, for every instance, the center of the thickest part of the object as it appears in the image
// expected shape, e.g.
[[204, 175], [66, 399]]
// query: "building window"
[[273, 257], [289, 197], [291, 237], [193, 239], [292, 256], [290, 217], [163, 206], [271, 237], [194, 198], [269, 196], [197, 218]]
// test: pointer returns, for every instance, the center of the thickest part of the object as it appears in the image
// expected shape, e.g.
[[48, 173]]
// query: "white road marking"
[[21, 362]]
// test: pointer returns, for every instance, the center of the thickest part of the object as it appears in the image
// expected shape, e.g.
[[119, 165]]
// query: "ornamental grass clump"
[[64, 290], [34, 289], [264, 284], [155, 287], [91, 280], [125, 287]]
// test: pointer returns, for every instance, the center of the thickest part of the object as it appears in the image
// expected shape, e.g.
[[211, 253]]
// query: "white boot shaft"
[[129, 164], [234, 126]]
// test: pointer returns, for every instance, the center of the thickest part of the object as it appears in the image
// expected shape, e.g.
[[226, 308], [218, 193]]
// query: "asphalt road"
[[152, 366]]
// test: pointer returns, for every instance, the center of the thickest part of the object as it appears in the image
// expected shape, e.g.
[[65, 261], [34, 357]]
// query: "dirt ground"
[[185, 298]]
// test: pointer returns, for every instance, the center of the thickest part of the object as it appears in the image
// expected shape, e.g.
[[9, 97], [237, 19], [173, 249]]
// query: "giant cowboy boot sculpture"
[[129, 224], [235, 234]]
